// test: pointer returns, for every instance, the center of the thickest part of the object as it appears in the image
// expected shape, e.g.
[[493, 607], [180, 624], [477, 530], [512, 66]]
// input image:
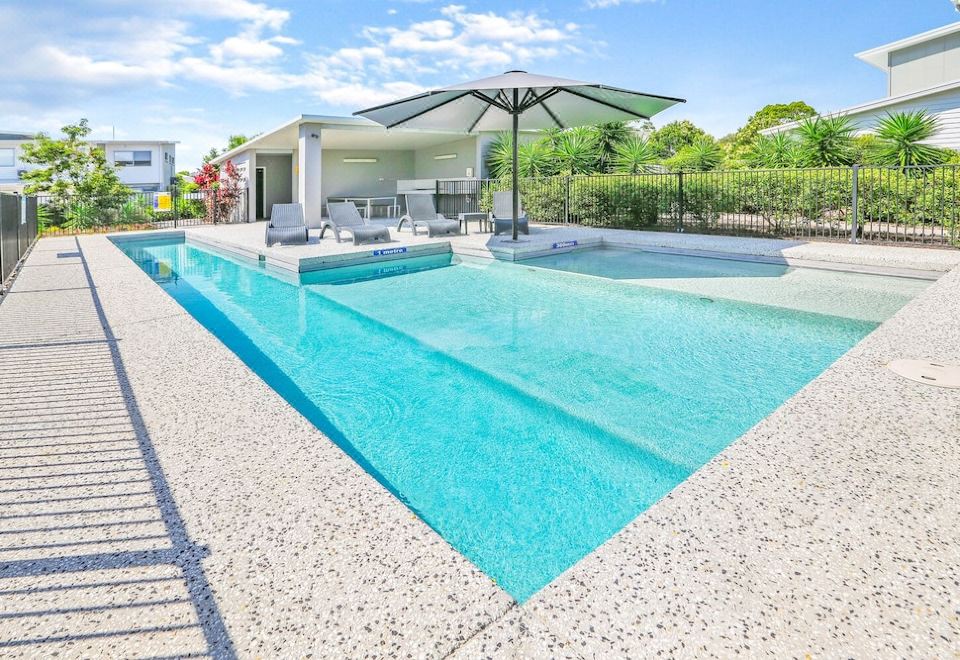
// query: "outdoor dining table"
[[393, 208]]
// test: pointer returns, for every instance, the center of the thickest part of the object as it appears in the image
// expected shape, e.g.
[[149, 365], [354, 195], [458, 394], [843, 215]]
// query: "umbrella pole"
[[516, 161]]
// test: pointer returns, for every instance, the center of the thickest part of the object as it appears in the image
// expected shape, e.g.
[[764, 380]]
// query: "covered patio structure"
[[313, 158]]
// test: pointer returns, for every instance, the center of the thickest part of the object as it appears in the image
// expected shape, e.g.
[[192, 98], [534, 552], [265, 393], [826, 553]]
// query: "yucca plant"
[[827, 141], [536, 159], [634, 155], [607, 137], [776, 151], [500, 156], [704, 154], [902, 136], [533, 158], [577, 152]]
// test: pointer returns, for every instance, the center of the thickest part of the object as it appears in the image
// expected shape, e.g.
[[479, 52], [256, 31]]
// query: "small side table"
[[482, 218]]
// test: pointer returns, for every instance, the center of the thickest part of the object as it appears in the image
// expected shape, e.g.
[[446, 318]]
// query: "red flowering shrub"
[[222, 190]]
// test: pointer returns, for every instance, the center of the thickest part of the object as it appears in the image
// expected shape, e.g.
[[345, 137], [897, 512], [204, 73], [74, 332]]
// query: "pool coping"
[[896, 261], [694, 574]]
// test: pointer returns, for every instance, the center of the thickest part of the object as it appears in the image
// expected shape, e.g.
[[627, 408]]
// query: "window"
[[6, 158], [131, 158]]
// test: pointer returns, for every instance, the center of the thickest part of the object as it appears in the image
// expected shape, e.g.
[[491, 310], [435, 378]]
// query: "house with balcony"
[[923, 73], [143, 165]]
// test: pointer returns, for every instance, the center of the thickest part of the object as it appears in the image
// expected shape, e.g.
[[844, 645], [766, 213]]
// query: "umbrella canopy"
[[517, 101]]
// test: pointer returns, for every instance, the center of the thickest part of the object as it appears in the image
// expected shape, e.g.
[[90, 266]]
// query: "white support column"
[[295, 176], [309, 163], [252, 190]]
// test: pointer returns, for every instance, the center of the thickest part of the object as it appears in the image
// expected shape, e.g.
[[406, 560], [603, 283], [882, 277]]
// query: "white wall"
[[342, 179], [8, 175], [944, 106], [156, 175], [427, 167], [924, 65]]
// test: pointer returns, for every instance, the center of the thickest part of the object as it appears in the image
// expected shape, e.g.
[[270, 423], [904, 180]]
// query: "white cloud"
[[59, 58], [603, 4]]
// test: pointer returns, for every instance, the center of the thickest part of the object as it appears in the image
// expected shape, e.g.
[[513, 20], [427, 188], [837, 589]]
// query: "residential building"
[[923, 73], [313, 157], [144, 165]]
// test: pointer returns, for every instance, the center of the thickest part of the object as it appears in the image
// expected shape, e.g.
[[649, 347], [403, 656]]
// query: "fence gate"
[[18, 230]]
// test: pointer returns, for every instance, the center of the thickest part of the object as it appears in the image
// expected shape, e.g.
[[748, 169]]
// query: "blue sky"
[[198, 71]]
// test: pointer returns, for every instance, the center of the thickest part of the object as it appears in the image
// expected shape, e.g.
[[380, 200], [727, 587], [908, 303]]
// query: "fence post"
[[566, 200], [854, 206], [176, 205], [680, 203]]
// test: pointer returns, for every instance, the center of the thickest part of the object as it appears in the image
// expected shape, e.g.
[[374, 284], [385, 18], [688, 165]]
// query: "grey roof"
[[16, 136], [545, 102]]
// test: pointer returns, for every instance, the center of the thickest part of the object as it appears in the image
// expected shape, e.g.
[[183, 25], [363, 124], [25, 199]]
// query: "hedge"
[[781, 202]]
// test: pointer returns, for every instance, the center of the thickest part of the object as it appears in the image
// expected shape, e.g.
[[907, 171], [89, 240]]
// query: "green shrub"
[[775, 202]]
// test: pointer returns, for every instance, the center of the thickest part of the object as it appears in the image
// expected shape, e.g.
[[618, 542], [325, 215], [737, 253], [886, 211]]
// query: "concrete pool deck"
[[248, 240], [160, 499]]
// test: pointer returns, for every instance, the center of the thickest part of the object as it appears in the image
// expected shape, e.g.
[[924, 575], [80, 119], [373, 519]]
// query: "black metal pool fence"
[[168, 209], [18, 231], [915, 205]]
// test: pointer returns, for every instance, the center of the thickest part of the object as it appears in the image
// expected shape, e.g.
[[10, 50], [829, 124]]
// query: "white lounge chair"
[[286, 224], [421, 212], [344, 216], [502, 215]]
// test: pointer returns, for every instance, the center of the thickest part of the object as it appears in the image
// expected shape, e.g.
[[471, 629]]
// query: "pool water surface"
[[524, 412]]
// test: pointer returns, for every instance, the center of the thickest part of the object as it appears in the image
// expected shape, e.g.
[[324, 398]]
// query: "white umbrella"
[[517, 101]]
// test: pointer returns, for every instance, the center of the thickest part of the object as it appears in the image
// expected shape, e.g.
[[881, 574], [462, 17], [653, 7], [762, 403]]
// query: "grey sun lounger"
[[502, 215], [344, 216], [421, 212], [286, 224]]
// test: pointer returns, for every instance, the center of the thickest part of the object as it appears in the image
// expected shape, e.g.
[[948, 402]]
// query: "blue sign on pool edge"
[[389, 251], [564, 244]]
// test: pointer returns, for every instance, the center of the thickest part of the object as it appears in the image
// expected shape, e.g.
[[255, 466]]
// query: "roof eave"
[[872, 105], [879, 55]]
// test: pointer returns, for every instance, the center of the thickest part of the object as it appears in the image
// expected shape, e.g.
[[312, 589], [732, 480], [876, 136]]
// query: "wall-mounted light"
[[445, 157], [359, 160]]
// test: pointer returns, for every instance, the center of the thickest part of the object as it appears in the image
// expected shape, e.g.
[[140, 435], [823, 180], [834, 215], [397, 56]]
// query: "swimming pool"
[[527, 414]]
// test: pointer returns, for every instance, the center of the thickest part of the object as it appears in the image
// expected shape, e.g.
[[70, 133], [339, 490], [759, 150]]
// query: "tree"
[[221, 189], [534, 158], [634, 155], [675, 136], [233, 142], [84, 188], [577, 151], [608, 136], [827, 141], [773, 114], [704, 154], [775, 151], [901, 137]]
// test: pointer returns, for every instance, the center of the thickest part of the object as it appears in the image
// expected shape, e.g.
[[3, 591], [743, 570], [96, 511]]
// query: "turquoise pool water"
[[526, 414]]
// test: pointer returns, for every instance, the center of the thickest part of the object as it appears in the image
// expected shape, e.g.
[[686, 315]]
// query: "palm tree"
[[902, 135], [576, 151], [634, 155], [827, 141]]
